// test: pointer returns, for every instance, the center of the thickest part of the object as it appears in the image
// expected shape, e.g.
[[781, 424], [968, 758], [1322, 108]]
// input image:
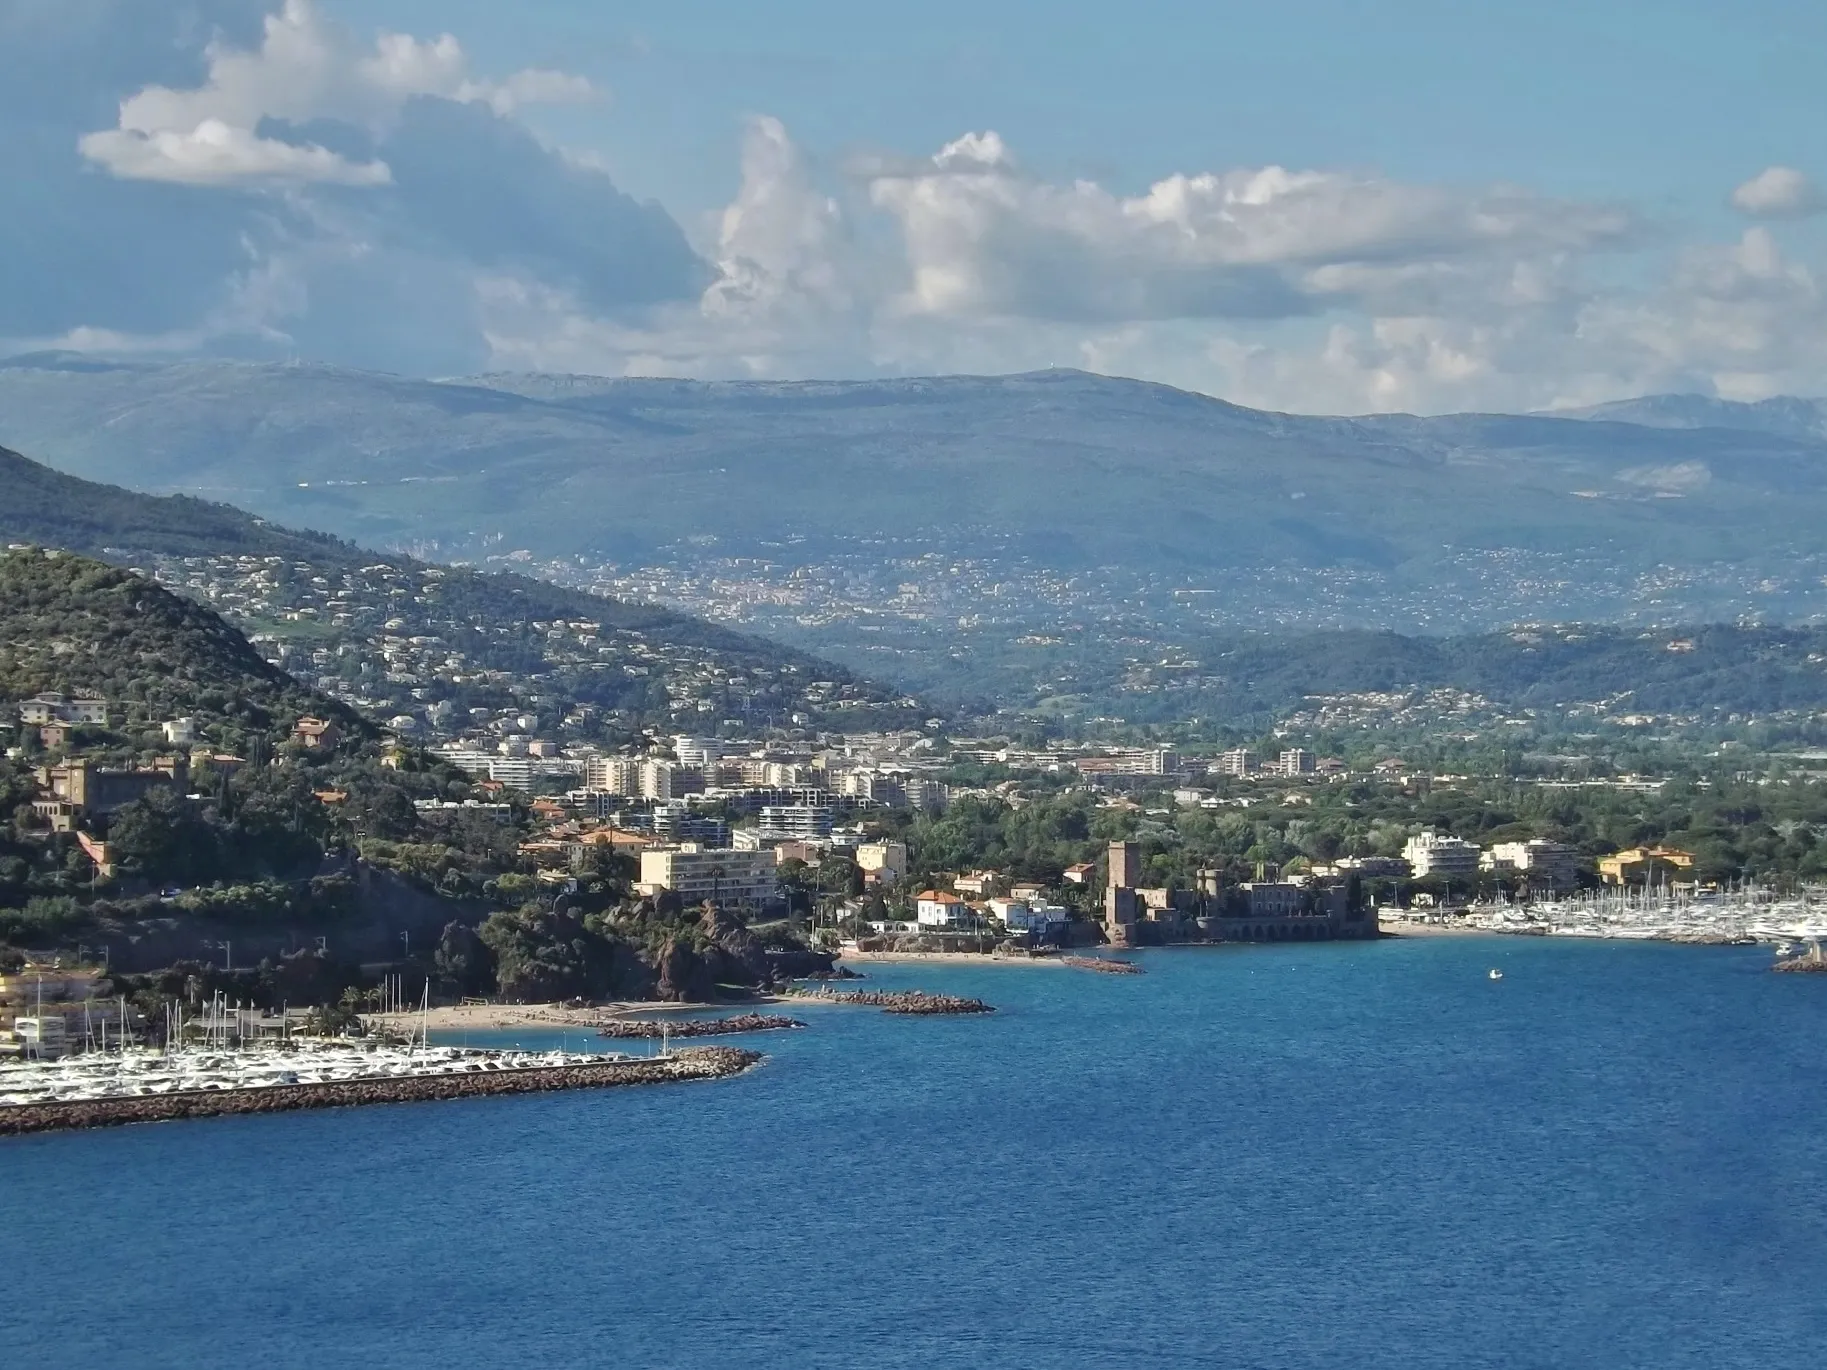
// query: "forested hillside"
[[78, 626]]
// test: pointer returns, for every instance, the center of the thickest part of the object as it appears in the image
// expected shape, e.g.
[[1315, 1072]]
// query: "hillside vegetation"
[[78, 626]]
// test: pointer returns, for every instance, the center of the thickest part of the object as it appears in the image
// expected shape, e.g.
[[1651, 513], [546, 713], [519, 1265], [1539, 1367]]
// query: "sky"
[[1323, 206]]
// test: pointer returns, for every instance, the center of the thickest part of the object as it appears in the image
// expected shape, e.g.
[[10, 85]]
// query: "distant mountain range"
[[1785, 416], [1080, 470]]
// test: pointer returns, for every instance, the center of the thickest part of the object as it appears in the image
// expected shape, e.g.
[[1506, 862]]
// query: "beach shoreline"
[[1436, 930], [506, 1017]]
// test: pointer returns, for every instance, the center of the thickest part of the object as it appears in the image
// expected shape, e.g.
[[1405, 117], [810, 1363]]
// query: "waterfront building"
[[696, 873], [938, 909], [1372, 867], [1436, 856], [1273, 898], [1548, 865], [1645, 866]]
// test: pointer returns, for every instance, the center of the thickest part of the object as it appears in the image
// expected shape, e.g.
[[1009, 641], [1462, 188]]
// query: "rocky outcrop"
[[685, 976], [700, 1063]]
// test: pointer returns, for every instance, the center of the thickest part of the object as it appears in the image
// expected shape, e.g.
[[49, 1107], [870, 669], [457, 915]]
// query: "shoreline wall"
[[702, 1063]]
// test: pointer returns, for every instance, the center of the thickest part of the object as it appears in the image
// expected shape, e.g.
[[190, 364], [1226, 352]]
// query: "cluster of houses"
[[76, 790]]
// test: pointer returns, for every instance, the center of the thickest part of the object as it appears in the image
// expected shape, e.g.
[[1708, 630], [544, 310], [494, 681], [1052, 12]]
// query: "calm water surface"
[[1364, 1156]]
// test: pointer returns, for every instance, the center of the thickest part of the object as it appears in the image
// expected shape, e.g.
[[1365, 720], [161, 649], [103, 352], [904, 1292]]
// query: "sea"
[[1353, 1155]]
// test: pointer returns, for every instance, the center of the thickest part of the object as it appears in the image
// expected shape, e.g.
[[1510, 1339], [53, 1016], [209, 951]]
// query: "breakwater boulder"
[[700, 1063], [645, 1028], [1103, 965]]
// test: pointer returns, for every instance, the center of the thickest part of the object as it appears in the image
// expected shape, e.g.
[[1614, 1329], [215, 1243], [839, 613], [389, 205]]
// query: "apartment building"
[[696, 873]]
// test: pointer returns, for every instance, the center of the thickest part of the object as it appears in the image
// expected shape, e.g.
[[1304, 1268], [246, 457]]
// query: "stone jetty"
[[697, 1027], [1810, 962], [700, 1063], [910, 1001]]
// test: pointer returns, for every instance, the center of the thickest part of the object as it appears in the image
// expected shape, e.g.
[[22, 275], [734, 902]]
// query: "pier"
[[908, 1001]]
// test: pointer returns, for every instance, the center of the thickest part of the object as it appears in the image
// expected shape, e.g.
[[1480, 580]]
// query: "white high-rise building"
[[1435, 855], [700, 752], [794, 822], [1553, 865], [613, 774]]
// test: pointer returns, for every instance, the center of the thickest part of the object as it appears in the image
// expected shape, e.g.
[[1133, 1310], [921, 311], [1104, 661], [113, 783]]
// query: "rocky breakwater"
[[1808, 963], [1103, 965], [909, 1001], [645, 1028], [700, 1063]]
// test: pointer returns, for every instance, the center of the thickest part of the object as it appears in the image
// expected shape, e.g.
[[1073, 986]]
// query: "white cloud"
[[306, 68], [983, 239], [218, 154], [469, 242], [780, 242], [1778, 192]]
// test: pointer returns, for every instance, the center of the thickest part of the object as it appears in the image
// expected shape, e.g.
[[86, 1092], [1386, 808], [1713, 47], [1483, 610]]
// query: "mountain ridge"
[[617, 468]]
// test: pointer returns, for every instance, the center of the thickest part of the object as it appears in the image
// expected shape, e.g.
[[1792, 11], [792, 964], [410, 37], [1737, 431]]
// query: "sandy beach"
[[1433, 930], [502, 1017]]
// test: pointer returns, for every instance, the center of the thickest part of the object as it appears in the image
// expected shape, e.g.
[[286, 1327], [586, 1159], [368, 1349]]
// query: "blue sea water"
[[1361, 1156]]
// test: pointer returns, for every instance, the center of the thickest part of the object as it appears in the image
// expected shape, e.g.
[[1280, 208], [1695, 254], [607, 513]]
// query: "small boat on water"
[[1496, 974]]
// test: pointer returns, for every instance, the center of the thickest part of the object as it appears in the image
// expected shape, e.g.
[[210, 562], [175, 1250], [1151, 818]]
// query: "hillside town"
[[416, 648]]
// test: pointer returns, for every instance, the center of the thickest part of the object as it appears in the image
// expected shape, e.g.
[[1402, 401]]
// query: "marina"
[[1739, 916]]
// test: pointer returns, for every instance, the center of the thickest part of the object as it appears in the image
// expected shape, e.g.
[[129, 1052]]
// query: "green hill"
[[78, 626]]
